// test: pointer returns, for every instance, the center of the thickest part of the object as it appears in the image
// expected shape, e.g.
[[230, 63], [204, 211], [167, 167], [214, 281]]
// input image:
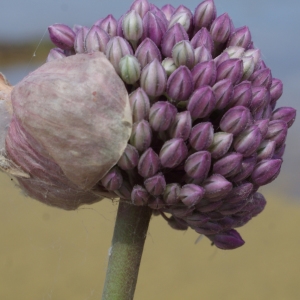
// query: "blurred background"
[[47, 253]]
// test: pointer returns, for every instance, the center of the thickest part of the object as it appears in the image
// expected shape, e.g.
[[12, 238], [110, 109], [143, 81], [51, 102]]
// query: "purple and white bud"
[[181, 126], [230, 69], [202, 102], [248, 67], [191, 194], [263, 127], [204, 74], [149, 163], [221, 28], [241, 37], [173, 153], [260, 98], [132, 26], [277, 132], [202, 54], [153, 79], [140, 105], [168, 11], [266, 150], [55, 53], [197, 165], [180, 84], [117, 48], [130, 69], [156, 184], [276, 90], [113, 179], [223, 91], [141, 135], [266, 171], [139, 195], [109, 25], [262, 78], [235, 52], [216, 187], [242, 95], [248, 141], [201, 136], [161, 116], [183, 54], [204, 14], [247, 168], [286, 114], [255, 54], [203, 38], [141, 7], [96, 40], [239, 193], [129, 159], [229, 165], [169, 65], [62, 36], [185, 18], [235, 120], [174, 35], [227, 240], [79, 43], [221, 144], [171, 194], [146, 52]]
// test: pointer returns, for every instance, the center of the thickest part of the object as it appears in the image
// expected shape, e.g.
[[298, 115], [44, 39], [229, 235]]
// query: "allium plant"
[[173, 112]]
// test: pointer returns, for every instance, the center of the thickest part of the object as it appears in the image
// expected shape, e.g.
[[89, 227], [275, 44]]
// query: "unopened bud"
[[242, 95], [130, 69], [227, 240], [139, 195], [266, 150], [185, 18], [168, 11], [221, 144], [62, 36], [241, 37], [204, 74], [141, 7], [221, 28], [156, 184], [146, 52], [216, 187], [169, 65], [198, 164], [141, 135], [140, 105], [235, 52], [287, 114], [79, 43], [109, 24], [231, 69], [229, 165], [132, 26], [201, 136], [223, 91], [181, 126], [202, 38], [113, 179], [129, 158], [205, 13], [171, 194], [149, 163], [183, 54], [262, 78], [202, 54], [277, 131], [191, 194], [247, 168], [96, 40]]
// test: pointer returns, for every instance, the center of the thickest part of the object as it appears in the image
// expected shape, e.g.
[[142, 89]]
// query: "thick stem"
[[126, 251]]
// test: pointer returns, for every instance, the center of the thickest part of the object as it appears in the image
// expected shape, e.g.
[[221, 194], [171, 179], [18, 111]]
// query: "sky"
[[274, 25]]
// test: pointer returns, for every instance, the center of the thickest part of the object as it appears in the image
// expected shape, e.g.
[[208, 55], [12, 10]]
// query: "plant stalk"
[[126, 251]]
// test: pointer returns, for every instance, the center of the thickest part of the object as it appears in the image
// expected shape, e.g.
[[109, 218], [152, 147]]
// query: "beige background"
[[47, 253]]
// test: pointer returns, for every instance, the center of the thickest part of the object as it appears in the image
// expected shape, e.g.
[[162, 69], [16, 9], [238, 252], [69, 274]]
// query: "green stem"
[[126, 251]]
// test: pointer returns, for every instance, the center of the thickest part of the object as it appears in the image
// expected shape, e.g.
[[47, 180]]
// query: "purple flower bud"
[[248, 141], [191, 194], [55, 53], [117, 48], [113, 179], [146, 52], [173, 152], [174, 35], [149, 163], [198, 164], [139, 195], [266, 150], [141, 7], [231, 69], [204, 74], [227, 240], [223, 91], [140, 105], [266, 171], [235, 52], [62, 36], [242, 95], [171, 194], [168, 10], [279, 152], [221, 28], [241, 37], [255, 54], [183, 54], [130, 69], [239, 193], [287, 114], [156, 203], [169, 65], [161, 116], [260, 98], [209, 228], [184, 18], [79, 43], [132, 26], [181, 126], [258, 204], [247, 168], [262, 78], [216, 187], [263, 127], [201, 136], [277, 131], [141, 135], [235, 120], [229, 165], [156, 184], [206, 206], [124, 191], [197, 220], [248, 67], [221, 144], [109, 25], [202, 54], [204, 14], [96, 40], [152, 28], [276, 90], [129, 159], [154, 79], [203, 38], [221, 58], [202, 102]]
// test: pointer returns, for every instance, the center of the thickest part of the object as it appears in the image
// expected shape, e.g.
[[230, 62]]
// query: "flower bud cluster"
[[206, 133]]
